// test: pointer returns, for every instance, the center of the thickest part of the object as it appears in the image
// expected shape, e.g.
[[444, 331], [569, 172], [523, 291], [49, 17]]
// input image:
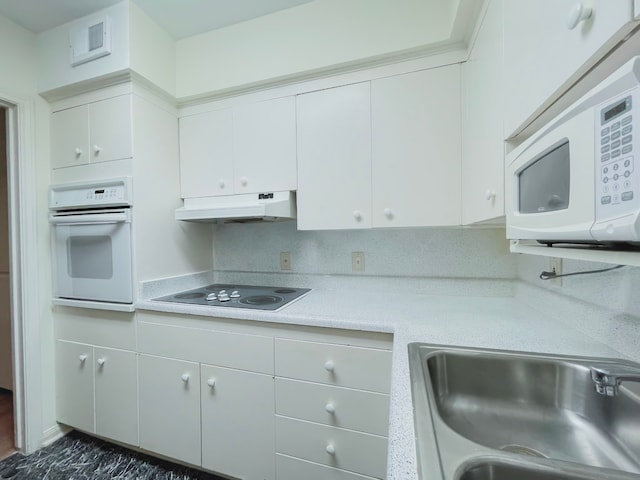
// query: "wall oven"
[[92, 241]]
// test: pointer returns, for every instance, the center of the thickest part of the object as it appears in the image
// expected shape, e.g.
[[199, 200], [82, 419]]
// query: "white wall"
[[55, 69], [19, 61], [153, 51], [137, 44], [307, 38]]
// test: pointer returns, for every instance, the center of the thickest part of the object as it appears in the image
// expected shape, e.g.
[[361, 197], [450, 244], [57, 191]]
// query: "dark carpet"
[[77, 456]]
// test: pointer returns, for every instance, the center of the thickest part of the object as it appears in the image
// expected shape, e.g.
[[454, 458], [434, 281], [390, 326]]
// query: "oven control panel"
[[104, 193]]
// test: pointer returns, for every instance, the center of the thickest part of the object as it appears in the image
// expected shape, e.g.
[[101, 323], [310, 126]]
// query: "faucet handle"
[[604, 382]]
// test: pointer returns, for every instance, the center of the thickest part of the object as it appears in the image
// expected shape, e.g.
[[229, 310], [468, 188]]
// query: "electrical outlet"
[[357, 261], [555, 265], [285, 261]]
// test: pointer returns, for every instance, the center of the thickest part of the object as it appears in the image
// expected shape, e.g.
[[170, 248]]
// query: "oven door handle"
[[91, 219]]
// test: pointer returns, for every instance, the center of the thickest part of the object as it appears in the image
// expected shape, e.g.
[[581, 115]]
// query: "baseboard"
[[52, 434]]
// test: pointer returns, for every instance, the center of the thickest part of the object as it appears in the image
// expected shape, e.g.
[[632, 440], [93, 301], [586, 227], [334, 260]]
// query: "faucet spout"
[[607, 379]]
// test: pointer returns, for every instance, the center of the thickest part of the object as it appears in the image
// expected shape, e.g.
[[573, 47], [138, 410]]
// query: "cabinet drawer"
[[233, 350], [290, 468], [335, 447], [335, 406], [342, 365]]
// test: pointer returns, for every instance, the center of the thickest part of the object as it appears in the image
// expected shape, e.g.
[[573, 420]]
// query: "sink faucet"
[[608, 379]]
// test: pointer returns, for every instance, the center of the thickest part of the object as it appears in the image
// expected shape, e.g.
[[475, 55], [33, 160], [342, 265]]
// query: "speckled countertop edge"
[[468, 321]]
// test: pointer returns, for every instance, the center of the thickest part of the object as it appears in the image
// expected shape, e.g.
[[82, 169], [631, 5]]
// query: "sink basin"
[[500, 470], [540, 409]]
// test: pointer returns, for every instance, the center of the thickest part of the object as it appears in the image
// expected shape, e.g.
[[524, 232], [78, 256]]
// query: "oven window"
[[544, 185], [90, 256]]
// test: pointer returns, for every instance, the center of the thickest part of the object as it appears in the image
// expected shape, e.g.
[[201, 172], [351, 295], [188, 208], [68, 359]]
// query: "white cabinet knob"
[[78, 152], [244, 181], [185, 377], [82, 358], [330, 449], [222, 184], [357, 214], [101, 361], [490, 194], [330, 408], [329, 366], [96, 149], [577, 14], [211, 382], [388, 213]]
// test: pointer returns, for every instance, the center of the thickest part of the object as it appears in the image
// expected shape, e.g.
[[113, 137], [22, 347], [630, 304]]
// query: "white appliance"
[[249, 207], [575, 181], [92, 244]]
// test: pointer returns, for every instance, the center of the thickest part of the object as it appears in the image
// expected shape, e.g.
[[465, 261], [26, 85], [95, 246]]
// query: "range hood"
[[250, 207]]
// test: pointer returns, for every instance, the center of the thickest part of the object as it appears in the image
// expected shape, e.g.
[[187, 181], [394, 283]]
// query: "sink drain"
[[522, 450]]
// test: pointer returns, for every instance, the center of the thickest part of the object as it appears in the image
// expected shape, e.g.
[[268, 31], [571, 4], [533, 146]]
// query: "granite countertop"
[[469, 321]]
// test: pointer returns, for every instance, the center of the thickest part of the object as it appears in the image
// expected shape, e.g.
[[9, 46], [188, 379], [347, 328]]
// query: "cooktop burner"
[[239, 296]]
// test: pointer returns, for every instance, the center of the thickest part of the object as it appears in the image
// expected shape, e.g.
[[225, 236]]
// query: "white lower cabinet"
[[170, 408], [238, 423], [336, 447], [331, 413], [290, 468], [97, 390]]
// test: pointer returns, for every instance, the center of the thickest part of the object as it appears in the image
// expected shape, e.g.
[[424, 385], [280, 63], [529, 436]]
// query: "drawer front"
[[341, 365], [344, 449], [289, 468], [233, 350], [335, 406]]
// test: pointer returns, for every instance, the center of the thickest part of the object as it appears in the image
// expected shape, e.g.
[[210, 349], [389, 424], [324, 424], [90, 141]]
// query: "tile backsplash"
[[466, 253]]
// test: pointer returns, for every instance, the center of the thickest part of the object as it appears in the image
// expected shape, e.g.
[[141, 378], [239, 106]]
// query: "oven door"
[[92, 256]]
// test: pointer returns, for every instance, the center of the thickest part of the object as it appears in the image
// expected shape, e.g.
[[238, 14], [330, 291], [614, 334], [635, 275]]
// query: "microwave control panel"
[[617, 149]]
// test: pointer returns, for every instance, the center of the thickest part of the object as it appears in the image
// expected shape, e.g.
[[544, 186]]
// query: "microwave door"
[[544, 185]]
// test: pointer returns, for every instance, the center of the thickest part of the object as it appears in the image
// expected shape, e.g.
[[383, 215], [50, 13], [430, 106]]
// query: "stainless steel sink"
[[537, 410], [504, 470]]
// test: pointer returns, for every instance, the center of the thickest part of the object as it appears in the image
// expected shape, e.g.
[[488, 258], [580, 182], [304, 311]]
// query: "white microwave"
[[577, 180]]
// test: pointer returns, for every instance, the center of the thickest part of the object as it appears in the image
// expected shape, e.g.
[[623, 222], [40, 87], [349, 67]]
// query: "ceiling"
[[181, 18]]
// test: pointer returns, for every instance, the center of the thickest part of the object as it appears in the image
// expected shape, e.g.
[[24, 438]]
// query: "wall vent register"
[[239, 296]]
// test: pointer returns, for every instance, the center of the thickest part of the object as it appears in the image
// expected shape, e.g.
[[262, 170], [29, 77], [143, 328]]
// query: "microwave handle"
[[94, 219]]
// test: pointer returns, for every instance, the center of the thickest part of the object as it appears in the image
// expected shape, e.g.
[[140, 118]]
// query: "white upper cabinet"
[[384, 153], [206, 154], [249, 148], [334, 158], [264, 141], [541, 52], [416, 149], [96, 132], [483, 137]]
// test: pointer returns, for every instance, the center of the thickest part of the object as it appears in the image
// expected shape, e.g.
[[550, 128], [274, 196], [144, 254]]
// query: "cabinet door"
[[74, 385], [116, 394], [70, 137], [334, 158], [238, 423], [110, 129], [206, 154], [264, 146], [483, 140], [170, 408], [541, 53], [416, 148]]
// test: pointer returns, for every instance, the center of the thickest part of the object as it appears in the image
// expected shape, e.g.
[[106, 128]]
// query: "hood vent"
[[251, 207]]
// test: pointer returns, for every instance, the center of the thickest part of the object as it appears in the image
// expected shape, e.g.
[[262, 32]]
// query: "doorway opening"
[[7, 423]]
